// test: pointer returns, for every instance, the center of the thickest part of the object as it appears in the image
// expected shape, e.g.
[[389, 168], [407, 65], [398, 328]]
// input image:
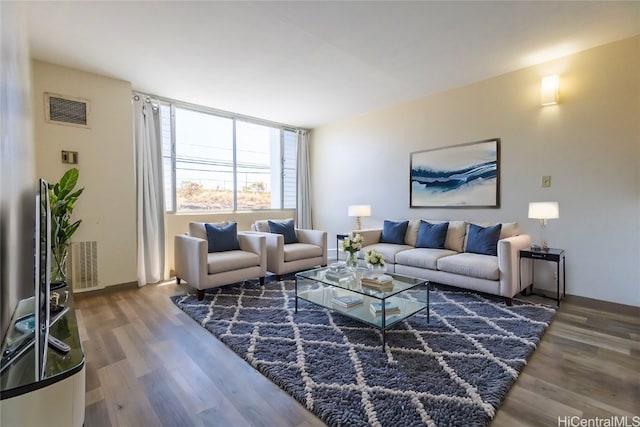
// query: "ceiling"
[[311, 63]]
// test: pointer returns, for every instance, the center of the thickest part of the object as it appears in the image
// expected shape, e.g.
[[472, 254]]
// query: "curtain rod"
[[223, 113]]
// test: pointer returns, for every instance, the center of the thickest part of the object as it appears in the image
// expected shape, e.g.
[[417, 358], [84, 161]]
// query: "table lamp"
[[543, 211], [359, 211]]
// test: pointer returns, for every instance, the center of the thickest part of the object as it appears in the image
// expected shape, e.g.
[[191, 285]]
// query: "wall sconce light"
[[543, 211], [359, 211], [549, 90]]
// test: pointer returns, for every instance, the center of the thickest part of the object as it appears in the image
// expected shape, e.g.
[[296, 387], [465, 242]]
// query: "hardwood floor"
[[149, 364]]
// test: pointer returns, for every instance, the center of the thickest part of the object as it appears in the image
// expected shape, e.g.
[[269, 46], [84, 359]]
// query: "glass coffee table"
[[347, 295]]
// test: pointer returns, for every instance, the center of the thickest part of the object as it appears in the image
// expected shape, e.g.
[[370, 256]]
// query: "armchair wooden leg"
[[178, 280], [507, 301], [200, 294], [262, 281]]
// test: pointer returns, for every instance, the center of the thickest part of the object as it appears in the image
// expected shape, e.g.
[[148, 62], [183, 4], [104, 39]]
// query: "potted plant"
[[62, 198]]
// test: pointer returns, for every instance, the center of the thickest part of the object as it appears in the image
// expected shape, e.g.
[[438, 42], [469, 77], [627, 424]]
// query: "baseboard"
[[106, 290], [612, 307]]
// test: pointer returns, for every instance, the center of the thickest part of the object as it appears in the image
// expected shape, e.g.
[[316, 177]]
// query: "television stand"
[[58, 398]]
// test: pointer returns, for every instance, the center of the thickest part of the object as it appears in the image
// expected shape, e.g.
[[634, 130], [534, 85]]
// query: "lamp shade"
[[544, 210], [359, 210]]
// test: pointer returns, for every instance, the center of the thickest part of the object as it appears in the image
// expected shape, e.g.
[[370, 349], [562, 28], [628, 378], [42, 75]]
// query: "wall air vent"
[[66, 110], [83, 266]]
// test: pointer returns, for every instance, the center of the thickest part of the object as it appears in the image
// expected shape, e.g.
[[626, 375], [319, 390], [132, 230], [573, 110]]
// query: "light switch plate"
[[546, 181]]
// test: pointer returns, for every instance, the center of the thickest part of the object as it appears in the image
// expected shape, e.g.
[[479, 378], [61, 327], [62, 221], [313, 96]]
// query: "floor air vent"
[[66, 110], [84, 266]]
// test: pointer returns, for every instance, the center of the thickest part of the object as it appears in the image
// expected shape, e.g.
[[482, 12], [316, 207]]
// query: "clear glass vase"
[[377, 268], [59, 263], [352, 260]]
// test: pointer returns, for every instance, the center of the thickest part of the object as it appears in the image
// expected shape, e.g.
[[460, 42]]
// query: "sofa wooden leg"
[[200, 294], [262, 281], [507, 301], [178, 280]]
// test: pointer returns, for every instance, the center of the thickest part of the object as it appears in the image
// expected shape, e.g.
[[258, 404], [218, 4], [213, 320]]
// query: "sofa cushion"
[[220, 262], [432, 235], [222, 238], [509, 229], [196, 229], [388, 250], [412, 232], [394, 232], [422, 257], [296, 251], [286, 228], [470, 264], [483, 240]]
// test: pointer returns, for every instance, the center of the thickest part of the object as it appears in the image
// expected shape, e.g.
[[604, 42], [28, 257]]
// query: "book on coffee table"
[[382, 282], [338, 272], [347, 301], [390, 308]]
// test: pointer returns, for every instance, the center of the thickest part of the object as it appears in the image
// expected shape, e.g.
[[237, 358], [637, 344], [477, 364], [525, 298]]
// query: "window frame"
[[174, 104]]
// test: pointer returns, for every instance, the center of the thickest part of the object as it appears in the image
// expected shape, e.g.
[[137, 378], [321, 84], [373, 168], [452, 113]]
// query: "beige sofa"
[[309, 251], [497, 275], [204, 270]]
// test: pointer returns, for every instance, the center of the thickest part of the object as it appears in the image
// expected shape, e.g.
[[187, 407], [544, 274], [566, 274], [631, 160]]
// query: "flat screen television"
[[32, 328], [42, 276]]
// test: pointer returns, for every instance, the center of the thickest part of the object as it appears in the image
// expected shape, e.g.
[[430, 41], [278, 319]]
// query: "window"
[[213, 162]]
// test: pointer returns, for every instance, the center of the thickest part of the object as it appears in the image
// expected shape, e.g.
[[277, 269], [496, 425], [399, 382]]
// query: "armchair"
[[309, 251], [204, 270]]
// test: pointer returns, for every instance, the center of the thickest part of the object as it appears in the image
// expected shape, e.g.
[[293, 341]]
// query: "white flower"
[[353, 243], [374, 258]]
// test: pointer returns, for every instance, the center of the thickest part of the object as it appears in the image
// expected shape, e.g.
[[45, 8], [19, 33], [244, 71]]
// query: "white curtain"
[[149, 190], [303, 211]]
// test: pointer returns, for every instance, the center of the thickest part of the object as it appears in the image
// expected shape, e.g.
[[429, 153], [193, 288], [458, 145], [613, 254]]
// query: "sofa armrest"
[[274, 243], [190, 256], [371, 236], [256, 243], [252, 242], [314, 237], [509, 264]]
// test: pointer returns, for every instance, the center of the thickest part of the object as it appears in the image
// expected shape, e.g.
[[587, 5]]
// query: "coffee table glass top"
[[353, 282]]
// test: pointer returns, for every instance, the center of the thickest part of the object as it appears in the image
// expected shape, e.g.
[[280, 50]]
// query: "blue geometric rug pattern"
[[452, 371]]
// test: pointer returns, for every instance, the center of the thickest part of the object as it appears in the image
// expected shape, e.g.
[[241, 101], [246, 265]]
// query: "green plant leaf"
[[62, 199]]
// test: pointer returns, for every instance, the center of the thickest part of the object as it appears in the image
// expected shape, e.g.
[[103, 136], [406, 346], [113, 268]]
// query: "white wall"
[[105, 152], [589, 144]]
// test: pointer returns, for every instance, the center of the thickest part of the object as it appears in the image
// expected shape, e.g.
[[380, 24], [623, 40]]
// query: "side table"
[[551, 255], [339, 237]]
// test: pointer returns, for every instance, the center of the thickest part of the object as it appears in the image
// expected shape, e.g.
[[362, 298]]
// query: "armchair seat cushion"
[[219, 262], [296, 251], [470, 264]]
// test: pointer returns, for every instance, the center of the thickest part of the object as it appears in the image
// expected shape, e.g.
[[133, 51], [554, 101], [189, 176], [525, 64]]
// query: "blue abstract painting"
[[466, 175]]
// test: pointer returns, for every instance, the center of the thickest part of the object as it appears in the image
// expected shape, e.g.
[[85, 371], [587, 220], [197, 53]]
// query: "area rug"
[[454, 370]]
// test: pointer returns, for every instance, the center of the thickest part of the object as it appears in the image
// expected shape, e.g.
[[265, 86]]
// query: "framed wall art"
[[459, 176]]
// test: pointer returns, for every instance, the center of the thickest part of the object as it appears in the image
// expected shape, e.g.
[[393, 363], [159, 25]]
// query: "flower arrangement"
[[352, 244], [374, 258]]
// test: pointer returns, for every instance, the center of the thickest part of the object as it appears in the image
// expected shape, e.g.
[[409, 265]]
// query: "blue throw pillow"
[[432, 235], [483, 240], [393, 232], [222, 238], [287, 229]]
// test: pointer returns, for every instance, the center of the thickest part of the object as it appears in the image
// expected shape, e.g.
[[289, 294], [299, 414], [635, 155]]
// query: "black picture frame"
[[458, 176]]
